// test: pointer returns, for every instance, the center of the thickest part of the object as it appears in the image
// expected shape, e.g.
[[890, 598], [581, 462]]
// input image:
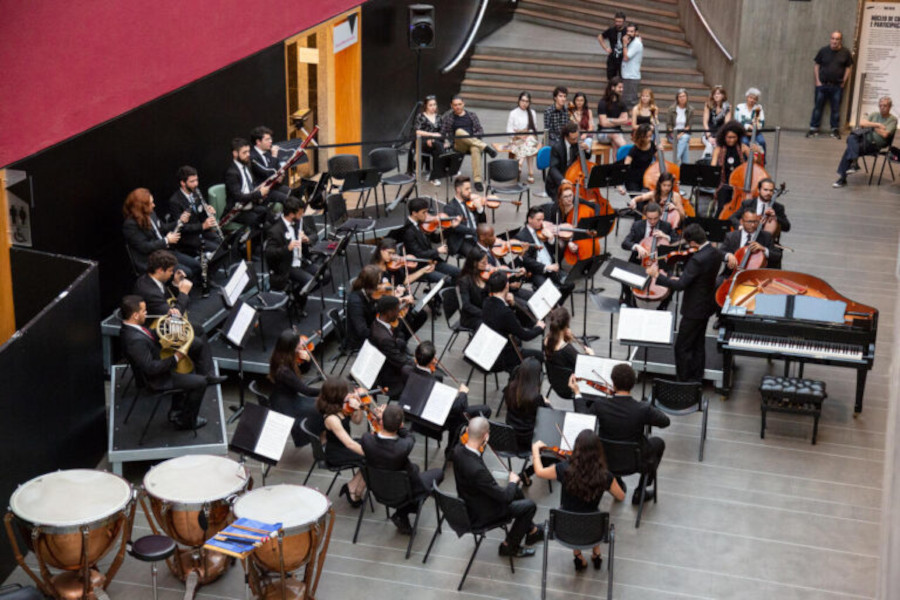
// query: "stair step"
[[512, 85], [652, 40], [487, 63], [655, 9], [678, 63], [585, 11]]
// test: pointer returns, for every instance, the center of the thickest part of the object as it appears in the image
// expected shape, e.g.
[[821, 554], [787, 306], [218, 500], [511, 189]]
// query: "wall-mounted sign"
[[879, 57]]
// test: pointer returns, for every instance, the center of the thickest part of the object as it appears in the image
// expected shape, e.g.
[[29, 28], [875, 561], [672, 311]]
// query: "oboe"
[[208, 210]]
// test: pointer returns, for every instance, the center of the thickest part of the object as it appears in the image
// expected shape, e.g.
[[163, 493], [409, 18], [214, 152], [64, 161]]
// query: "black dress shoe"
[[533, 538], [649, 495], [188, 425], [216, 379], [520, 552], [402, 523]]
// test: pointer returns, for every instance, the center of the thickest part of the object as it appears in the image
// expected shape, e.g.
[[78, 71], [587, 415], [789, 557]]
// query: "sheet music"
[[367, 365], [595, 368], [633, 279], [435, 290], [574, 424], [241, 323], [236, 284], [439, 403], [485, 346], [274, 435], [544, 299], [645, 325]]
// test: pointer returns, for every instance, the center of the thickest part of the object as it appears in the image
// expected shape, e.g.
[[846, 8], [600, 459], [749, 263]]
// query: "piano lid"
[[751, 284]]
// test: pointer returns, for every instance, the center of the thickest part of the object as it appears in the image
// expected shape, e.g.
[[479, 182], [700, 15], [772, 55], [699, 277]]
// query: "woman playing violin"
[[292, 396], [361, 306], [522, 398], [472, 289], [561, 353], [667, 198], [398, 270], [584, 478]]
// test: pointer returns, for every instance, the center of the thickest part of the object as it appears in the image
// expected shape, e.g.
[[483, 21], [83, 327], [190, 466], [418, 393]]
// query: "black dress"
[[522, 420], [640, 160], [472, 299], [293, 397], [573, 503], [560, 366], [336, 452]]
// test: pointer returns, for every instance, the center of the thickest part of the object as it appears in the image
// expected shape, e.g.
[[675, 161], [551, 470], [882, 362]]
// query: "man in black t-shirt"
[[612, 114], [611, 41], [832, 71]]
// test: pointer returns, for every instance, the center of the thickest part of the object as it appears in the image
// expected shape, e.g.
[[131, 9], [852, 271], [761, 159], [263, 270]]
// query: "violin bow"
[[562, 436], [516, 348]]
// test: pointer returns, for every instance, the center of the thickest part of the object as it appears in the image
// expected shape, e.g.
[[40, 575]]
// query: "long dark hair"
[[610, 95], [524, 390], [284, 354], [557, 323], [367, 279], [586, 475], [585, 122], [657, 193], [331, 396], [384, 243], [470, 267], [527, 95]]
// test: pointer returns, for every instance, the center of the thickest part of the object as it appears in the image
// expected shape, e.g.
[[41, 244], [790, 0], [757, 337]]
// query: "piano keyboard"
[[816, 349]]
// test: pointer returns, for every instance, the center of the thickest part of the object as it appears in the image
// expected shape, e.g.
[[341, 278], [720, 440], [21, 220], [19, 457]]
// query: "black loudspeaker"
[[421, 26]]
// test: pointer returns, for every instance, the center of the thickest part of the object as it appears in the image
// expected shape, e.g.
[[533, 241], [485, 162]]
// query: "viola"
[[403, 262], [654, 291], [603, 388], [745, 179], [519, 247], [367, 404], [440, 221], [676, 256], [558, 451], [383, 289], [500, 248]]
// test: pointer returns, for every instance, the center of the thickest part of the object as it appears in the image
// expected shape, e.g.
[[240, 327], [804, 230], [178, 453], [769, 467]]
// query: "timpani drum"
[[70, 520], [307, 519], [190, 498]]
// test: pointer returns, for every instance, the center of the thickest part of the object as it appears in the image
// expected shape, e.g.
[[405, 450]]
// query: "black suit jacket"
[[393, 349], [193, 229], [636, 234], [458, 235], [529, 259], [732, 244], [360, 316], [262, 167], [393, 455], [143, 352], [278, 256], [750, 204], [622, 418], [486, 500], [233, 184], [559, 163], [500, 317], [698, 281], [156, 299], [471, 302], [416, 242], [144, 241]]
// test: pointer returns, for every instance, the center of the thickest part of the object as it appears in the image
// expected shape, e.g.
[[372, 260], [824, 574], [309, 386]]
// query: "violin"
[[403, 262], [654, 291], [486, 273], [519, 247], [305, 344], [676, 256], [500, 248], [383, 289], [367, 404], [746, 259], [745, 179], [558, 451], [440, 221], [492, 202]]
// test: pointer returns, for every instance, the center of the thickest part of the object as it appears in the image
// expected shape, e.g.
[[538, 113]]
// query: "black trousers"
[[654, 448], [194, 387], [522, 511], [255, 217], [613, 66], [428, 478], [690, 349]]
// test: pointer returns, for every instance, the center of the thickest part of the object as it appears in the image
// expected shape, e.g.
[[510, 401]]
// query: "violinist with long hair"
[[399, 280], [144, 232], [729, 153], [340, 447], [361, 306], [522, 397], [666, 197], [293, 396], [640, 156], [472, 289], [584, 478], [561, 354]]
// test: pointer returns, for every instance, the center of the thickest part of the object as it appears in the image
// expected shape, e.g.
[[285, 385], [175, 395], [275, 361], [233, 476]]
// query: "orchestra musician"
[[729, 153], [386, 338], [144, 232], [563, 153], [651, 226], [764, 205], [199, 231], [541, 258], [160, 283], [141, 347], [584, 478], [488, 502], [264, 163], [665, 196], [698, 282], [560, 356], [361, 306], [292, 396], [240, 189], [640, 156], [416, 242], [498, 315], [340, 447], [522, 398], [389, 449], [485, 242], [472, 289], [461, 238], [385, 252], [622, 418], [749, 234], [285, 253], [557, 212]]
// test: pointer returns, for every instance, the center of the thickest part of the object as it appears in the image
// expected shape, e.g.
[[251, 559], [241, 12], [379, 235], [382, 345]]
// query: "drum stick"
[[245, 528]]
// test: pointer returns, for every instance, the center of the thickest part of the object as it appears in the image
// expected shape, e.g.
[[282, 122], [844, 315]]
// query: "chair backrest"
[[622, 458], [340, 325], [315, 442], [450, 303], [384, 159], [337, 208], [216, 195], [502, 170], [578, 530], [677, 395], [261, 397], [543, 158], [503, 438], [341, 164], [391, 488], [134, 266], [622, 152], [454, 511]]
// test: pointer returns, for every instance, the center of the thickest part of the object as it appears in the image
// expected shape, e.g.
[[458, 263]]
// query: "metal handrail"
[[476, 24], [710, 31]]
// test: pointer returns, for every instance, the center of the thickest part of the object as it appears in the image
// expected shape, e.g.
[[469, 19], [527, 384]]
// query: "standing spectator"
[[611, 41], [678, 126], [832, 70], [556, 116], [716, 112], [876, 133], [632, 56]]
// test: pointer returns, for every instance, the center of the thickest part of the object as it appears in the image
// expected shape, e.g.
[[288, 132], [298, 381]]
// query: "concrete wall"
[[724, 17]]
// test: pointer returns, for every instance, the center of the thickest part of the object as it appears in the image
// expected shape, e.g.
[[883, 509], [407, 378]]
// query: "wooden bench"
[[603, 151]]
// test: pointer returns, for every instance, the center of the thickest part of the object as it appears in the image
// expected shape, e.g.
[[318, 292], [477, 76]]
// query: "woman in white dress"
[[524, 145]]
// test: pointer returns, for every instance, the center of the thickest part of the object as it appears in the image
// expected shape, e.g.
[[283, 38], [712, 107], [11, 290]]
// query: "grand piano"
[[796, 317]]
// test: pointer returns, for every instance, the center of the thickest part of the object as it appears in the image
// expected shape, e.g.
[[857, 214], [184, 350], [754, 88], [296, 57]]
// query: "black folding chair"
[[453, 510], [503, 441], [450, 304], [142, 387], [393, 489], [579, 531], [681, 398], [627, 458], [261, 397], [320, 459], [503, 179], [385, 160]]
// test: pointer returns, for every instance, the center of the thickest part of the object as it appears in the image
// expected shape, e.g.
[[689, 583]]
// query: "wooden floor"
[[774, 518]]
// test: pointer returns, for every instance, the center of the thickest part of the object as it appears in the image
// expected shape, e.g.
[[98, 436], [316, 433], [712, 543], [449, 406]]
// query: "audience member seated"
[[464, 128], [877, 131]]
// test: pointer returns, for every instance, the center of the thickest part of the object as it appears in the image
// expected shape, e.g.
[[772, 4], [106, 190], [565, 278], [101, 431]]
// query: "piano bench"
[[792, 395]]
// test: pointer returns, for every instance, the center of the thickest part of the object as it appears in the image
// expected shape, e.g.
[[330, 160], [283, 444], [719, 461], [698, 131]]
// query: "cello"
[[745, 179], [577, 174], [746, 260], [654, 291], [661, 166]]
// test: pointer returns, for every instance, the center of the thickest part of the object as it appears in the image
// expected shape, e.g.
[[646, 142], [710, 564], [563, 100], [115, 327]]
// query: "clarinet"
[[206, 210], [204, 270]]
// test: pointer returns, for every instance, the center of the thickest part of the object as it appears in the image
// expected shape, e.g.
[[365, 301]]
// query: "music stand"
[[606, 176], [362, 180], [699, 176], [716, 229], [445, 167], [261, 434], [586, 269], [237, 326], [319, 278], [645, 327]]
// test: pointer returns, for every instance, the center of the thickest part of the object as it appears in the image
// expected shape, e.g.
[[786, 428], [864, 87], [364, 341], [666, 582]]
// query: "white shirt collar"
[[386, 325]]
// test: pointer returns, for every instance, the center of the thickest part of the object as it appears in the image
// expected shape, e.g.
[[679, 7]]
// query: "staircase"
[[548, 44]]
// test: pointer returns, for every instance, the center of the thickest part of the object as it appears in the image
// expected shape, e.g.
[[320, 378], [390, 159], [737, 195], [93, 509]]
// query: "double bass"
[[652, 173], [745, 179], [589, 202]]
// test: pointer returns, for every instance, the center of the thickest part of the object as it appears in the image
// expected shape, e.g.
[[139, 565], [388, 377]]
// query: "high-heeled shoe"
[[580, 563], [345, 491], [597, 560]]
